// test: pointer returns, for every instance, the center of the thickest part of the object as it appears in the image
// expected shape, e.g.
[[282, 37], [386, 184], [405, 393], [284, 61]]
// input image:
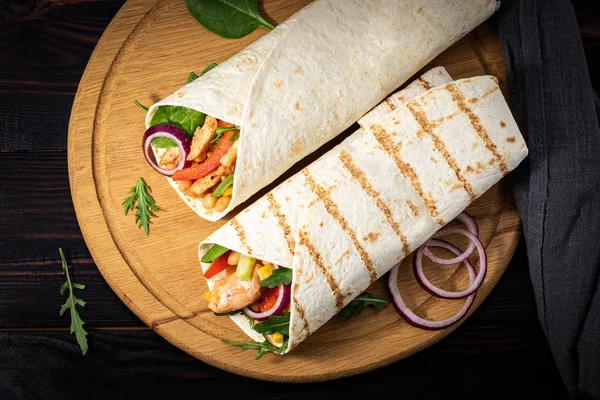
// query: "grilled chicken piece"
[[232, 293], [202, 137], [203, 184]]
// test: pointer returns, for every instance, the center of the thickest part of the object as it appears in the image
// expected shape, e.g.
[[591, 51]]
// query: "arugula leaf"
[[220, 131], [223, 187], [71, 304], [231, 19], [145, 208], [192, 77], [213, 253], [262, 347], [184, 118], [140, 105], [235, 136], [361, 302], [280, 276], [208, 68], [162, 142], [274, 324]]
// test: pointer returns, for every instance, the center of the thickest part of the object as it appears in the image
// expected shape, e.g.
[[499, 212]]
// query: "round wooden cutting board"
[[145, 54]]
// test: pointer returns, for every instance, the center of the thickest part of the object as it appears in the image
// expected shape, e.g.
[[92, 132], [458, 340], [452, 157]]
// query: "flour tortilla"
[[315, 74], [347, 218]]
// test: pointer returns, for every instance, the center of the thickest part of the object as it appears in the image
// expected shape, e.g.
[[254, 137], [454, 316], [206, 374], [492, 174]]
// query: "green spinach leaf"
[[274, 324], [280, 276], [361, 302], [231, 19], [184, 118]]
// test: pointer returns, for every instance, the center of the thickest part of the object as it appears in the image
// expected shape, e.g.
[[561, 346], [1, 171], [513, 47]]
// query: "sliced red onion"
[[283, 299], [413, 319], [444, 294], [173, 133], [472, 227]]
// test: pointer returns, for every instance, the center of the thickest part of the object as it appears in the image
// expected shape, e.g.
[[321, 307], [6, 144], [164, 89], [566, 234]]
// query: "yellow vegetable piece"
[[277, 337], [265, 272], [207, 295], [228, 191]]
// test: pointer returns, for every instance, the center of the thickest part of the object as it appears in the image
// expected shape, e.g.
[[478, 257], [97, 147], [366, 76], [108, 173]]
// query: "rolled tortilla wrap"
[[314, 75], [347, 218]]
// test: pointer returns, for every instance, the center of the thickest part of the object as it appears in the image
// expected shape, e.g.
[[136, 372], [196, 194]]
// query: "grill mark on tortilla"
[[439, 145], [241, 234], [360, 176], [459, 99], [407, 171], [287, 231], [334, 211], [391, 104], [424, 83], [413, 208], [300, 312], [318, 259]]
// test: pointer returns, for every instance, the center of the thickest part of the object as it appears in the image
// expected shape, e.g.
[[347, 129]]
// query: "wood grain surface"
[[499, 352], [158, 277]]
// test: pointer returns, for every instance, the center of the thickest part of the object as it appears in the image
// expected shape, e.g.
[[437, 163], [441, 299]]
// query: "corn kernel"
[[228, 191], [277, 337], [265, 272], [207, 295]]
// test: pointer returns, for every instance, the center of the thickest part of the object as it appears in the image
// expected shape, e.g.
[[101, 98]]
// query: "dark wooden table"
[[500, 352]]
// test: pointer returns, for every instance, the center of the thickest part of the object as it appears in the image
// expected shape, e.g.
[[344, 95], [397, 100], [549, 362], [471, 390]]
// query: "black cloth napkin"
[[557, 188]]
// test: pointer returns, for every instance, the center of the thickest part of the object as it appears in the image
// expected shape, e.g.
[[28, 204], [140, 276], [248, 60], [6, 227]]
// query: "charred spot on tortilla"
[[469, 169], [296, 147], [371, 237], [503, 125], [298, 106], [277, 84], [297, 70], [321, 224], [420, 10], [473, 100], [424, 83], [180, 94], [390, 103], [254, 126], [511, 139], [340, 94]]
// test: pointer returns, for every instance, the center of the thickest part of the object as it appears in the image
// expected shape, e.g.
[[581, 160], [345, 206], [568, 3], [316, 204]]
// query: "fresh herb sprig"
[[231, 19], [262, 347], [361, 302], [145, 207], [71, 304], [220, 131]]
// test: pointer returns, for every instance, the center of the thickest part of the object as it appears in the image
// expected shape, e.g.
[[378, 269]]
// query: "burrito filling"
[[202, 164], [256, 288]]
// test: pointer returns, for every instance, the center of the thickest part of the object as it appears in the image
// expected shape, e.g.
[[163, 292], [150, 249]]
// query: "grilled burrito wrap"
[[419, 159], [304, 83]]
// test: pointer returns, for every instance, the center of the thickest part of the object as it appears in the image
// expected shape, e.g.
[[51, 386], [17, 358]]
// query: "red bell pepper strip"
[[269, 300], [219, 265], [210, 164]]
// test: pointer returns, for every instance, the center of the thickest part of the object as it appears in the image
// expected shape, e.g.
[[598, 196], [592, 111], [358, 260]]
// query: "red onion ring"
[[410, 317], [173, 133], [283, 299], [438, 292], [472, 227]]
